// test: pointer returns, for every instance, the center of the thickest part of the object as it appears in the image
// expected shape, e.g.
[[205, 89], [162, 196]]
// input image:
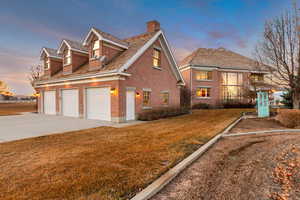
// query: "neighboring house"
[[217, 75], [107, 78]]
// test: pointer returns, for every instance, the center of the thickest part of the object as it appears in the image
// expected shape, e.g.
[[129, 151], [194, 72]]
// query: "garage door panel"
[[50, 102], [98, 103], [70, 102]]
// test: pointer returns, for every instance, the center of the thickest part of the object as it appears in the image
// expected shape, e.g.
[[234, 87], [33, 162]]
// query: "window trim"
[[149, 99], [206, 71], [158, 59], [168, 100], [67, 56], [238, 85], [204, 87], [47, 64]]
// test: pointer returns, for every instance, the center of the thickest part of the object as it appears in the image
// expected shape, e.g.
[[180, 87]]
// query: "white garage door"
[[70, 103], [98, 103], [50, 103]]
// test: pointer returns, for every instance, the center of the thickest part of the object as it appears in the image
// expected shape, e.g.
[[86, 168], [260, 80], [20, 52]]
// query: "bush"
[[237, 104], [201, 106], [289, 117], [162, 113]]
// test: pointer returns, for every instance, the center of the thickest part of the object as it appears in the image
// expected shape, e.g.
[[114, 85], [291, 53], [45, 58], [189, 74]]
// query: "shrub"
[[237, 104], [289, 117], [201, 106], [160, 113]]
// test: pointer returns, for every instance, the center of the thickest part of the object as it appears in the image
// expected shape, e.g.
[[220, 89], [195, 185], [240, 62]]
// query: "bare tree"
[[35, 73], [280, 49]]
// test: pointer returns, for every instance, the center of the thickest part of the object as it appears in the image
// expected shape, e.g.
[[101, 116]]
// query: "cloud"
[[14, 68], [35, 26]]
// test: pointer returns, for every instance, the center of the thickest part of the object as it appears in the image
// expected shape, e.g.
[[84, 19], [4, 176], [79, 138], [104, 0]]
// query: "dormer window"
[[47, 64], [95, 49], [156, 57], [67, 57]]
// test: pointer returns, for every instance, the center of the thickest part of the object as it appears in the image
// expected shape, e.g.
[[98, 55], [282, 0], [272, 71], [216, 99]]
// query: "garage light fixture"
[[137, 94]]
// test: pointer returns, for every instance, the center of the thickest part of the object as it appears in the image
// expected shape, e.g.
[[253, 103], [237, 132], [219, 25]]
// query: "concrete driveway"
[[32, 125]]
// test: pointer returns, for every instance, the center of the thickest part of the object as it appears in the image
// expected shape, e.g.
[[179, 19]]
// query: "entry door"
[[98, 104], [70, 103], [130, 105], [50, 102]]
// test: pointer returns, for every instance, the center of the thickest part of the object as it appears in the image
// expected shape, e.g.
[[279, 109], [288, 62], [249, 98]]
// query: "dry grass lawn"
[[16, 108], [104, 163]]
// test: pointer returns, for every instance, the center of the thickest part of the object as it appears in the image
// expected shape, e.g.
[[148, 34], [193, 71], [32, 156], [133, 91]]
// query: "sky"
[[28, 25]]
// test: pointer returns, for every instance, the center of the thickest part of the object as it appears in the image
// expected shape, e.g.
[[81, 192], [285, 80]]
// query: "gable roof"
[[105, 37], [137, 45], [52, 53], [221, 58], [72, 45]]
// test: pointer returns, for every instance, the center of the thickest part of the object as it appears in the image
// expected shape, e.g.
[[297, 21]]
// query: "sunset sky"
[[27, 26]]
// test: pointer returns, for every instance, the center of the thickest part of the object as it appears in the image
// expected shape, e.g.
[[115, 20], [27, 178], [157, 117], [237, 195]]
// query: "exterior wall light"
[[113, 91], [137, 94]]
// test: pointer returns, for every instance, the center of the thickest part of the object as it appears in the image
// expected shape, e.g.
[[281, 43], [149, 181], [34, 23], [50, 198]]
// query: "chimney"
[[153, 26]]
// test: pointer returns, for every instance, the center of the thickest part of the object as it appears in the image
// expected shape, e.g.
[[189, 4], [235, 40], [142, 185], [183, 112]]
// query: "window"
[[47, 64], [257, 77], [165, 98], [146, 98], [232, 83], [67, 57], [203, 75], [203, 92], [156, 58], [95, 49]]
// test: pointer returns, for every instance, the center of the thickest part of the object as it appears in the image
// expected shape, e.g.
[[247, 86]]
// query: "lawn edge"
[[261, 132], [167, 177]]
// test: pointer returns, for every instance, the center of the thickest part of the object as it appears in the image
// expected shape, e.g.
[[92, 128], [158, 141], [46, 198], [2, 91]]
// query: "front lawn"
[[16, 108], [104, 163]]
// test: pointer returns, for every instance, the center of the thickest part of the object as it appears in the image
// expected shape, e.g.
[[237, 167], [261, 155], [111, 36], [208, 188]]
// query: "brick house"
[[216, 75], [108, 78]]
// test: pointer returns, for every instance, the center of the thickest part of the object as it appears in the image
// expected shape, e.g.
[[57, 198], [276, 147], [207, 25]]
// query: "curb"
[[167, 177], [261, 132]]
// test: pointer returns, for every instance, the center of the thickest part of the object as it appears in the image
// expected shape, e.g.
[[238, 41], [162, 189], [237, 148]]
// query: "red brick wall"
[[145, 76], [215, 84], [55, 65], [77, 60]]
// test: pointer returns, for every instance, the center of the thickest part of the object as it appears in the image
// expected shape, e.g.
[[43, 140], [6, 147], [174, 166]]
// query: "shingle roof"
[[76, 45], [110, 37], [221, 58], [52, 52], [134, 44]]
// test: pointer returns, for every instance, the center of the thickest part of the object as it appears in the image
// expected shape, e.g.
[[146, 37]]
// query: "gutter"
[[80, 77]]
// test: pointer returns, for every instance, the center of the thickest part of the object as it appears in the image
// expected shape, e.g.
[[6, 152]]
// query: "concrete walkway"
[[32, 125]]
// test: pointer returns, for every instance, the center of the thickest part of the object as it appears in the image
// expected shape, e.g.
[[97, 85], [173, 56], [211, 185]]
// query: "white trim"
[[100, 37], [83, 81], [145, 47], [96, 75], [174, 60], [48, 55], [131, 88], [203, 86], [147, 89], [80, 51], [139, 52], [70, 48], [187, 67]]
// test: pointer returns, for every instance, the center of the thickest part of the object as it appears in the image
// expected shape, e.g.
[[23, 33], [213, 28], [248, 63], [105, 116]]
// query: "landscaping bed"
[[257, 124], [16, 108], [247, 167], [104, 163]]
